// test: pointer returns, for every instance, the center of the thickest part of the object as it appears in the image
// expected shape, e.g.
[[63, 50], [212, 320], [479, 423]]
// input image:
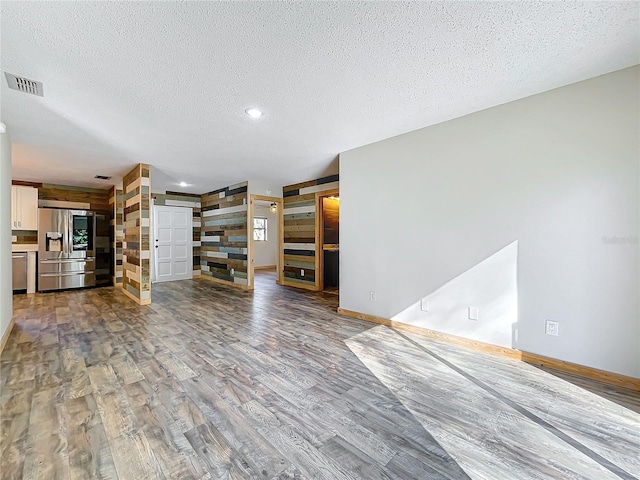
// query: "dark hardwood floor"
[[213, 382]]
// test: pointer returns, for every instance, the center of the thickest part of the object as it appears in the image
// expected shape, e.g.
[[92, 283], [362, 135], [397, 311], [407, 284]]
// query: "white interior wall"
[[258, 187], [6, 304], [266, 253], [557, 172]]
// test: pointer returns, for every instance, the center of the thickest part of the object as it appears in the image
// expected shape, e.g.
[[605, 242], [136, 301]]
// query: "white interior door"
[[173, 232]]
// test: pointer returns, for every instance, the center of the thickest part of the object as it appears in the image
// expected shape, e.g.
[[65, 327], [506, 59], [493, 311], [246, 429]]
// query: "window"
[[260, 229]]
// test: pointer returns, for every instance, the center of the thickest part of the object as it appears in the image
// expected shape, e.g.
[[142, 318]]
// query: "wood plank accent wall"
[[96, 199], [26, 183], [301, 235], [136, 254], [224, 235], [178, 199], [116, 202]]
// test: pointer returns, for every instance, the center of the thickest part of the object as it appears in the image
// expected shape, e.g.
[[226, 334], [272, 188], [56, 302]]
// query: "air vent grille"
[[102, 177], [24, 85]]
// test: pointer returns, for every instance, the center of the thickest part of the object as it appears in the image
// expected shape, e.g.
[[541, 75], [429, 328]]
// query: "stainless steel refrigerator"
[[66, 249]]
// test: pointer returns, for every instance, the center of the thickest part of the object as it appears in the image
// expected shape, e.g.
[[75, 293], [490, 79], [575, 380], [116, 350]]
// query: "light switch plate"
[[474, 313]]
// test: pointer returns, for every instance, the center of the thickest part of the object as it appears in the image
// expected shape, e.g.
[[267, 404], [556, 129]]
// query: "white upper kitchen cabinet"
[[24, 208]]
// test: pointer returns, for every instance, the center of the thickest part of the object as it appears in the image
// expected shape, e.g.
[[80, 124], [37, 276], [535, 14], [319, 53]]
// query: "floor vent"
[[24, 85]]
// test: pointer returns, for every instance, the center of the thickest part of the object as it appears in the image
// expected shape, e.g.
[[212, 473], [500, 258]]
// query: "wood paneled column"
[[136, 253]]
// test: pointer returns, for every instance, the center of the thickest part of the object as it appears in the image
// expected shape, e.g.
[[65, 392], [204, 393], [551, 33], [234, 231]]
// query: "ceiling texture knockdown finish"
[[168, 83]]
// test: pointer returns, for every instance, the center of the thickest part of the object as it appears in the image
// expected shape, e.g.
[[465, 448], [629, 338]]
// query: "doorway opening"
[[264, 233], [328, 208], [173, 243]]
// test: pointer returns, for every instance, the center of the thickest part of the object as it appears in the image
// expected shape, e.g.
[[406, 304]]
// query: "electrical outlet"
[[551, 328], [302, 272], [474, 313], [424, 305], [372, 296]]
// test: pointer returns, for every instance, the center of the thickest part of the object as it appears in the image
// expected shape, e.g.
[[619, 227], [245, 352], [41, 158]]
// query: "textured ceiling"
[[167, 83]]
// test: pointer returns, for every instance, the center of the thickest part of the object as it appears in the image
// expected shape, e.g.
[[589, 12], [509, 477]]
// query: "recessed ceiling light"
[[183, 184], [253, 112]]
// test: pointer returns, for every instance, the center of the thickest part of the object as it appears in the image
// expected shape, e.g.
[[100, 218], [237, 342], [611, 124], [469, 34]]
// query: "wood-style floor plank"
[[89, 451], [211, 382]]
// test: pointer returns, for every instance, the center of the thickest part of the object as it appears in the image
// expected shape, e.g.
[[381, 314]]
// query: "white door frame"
[[154, 236]]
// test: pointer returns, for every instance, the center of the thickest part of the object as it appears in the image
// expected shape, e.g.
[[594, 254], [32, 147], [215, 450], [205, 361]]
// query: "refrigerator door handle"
[[67, 274], [68, 260], [68, 220]]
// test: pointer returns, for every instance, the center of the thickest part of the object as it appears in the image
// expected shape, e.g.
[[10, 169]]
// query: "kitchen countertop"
[[24, 247]]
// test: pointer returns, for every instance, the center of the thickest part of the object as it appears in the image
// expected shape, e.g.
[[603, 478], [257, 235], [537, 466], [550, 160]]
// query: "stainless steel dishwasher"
[[19, 268]]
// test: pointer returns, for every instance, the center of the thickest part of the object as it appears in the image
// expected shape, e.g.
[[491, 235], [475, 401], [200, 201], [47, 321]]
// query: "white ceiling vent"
[[24, 85]]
